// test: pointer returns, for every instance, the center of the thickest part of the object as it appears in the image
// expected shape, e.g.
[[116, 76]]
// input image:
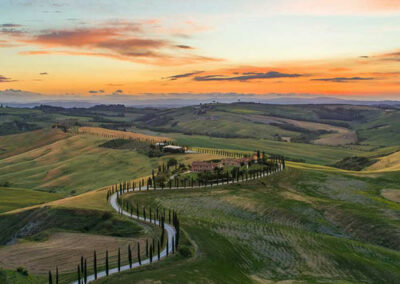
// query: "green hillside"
[[300, 225]]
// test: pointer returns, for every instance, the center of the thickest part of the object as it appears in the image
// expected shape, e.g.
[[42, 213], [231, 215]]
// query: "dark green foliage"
[[78, 220], [22, 271], [16, 127], [142, 147], [354, 163], [186, 251]]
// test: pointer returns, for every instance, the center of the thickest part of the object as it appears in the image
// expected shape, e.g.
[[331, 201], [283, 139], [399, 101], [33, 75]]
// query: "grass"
[[14, 277], [19, 143], [14, 198], [317, 154], [76, 164], [73, 165], [301, 225]]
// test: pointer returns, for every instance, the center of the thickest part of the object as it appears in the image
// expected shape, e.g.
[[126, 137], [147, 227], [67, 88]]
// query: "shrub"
[[22, 271], [186, 251]]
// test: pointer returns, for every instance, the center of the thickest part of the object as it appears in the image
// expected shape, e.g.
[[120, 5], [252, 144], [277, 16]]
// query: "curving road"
[[171, 232]]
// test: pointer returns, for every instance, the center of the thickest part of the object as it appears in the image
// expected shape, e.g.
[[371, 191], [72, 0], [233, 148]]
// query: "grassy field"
[[312, 223], [15, 277], [14, 198], [300, 225], [76, 164], [11, 145], [309, 153]]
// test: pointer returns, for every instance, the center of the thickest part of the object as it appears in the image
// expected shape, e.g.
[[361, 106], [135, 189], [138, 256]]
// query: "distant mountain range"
[[18, 98]]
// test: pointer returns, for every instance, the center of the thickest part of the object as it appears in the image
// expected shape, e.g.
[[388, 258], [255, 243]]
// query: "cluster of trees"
[[220, 152], [161, 179]]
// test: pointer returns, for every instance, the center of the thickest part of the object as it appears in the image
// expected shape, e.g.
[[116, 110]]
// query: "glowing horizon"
[[345, 48]]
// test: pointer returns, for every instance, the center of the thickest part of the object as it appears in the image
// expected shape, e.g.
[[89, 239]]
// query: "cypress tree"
[[107, 266], [56, 274], [50, 278], [79, 275], [167, 248], [151, 254], [85, 271], [147, 248], [138, 253], [95, 264], [82, 264], [153, 245], [130, 256], [158, 249], [150, 214], [162, 236], [173, 245], [119, 259]]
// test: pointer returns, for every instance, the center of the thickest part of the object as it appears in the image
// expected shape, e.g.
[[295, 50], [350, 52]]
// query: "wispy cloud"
[[10, 25], [343, 79], [185, 75], [247, 76], [4, 79], [96, 91], [43, 73]]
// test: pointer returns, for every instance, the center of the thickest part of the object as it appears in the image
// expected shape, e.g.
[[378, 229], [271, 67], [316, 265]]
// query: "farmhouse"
[[199, 166], [173, 149]]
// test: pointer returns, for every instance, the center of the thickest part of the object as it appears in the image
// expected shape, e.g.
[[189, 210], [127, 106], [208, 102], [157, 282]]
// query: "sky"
[[95, 47]]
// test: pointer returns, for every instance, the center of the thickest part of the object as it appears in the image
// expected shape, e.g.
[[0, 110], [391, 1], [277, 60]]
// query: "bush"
[[172, 162], [22, 271], [353, 163], [186, 251], [5, 184]]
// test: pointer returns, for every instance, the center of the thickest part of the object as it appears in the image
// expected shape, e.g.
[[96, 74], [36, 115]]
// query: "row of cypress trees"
[[278, 162]]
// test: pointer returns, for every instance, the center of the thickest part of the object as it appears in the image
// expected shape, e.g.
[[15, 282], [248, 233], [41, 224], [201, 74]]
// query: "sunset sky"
[[95, 47]]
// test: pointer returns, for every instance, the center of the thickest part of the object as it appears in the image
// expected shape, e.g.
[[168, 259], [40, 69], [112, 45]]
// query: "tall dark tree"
[[158, 249], [50, 278], [95, 264], [119, 259], [82, 264], [56, 274], [151, 254], [79, 275], [147, 248], [107, 264], [85, 271], [167, 248], [138, 253], [130, 256]]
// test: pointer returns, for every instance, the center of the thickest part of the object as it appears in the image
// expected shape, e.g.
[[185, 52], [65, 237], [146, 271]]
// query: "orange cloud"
[[118, 40]]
